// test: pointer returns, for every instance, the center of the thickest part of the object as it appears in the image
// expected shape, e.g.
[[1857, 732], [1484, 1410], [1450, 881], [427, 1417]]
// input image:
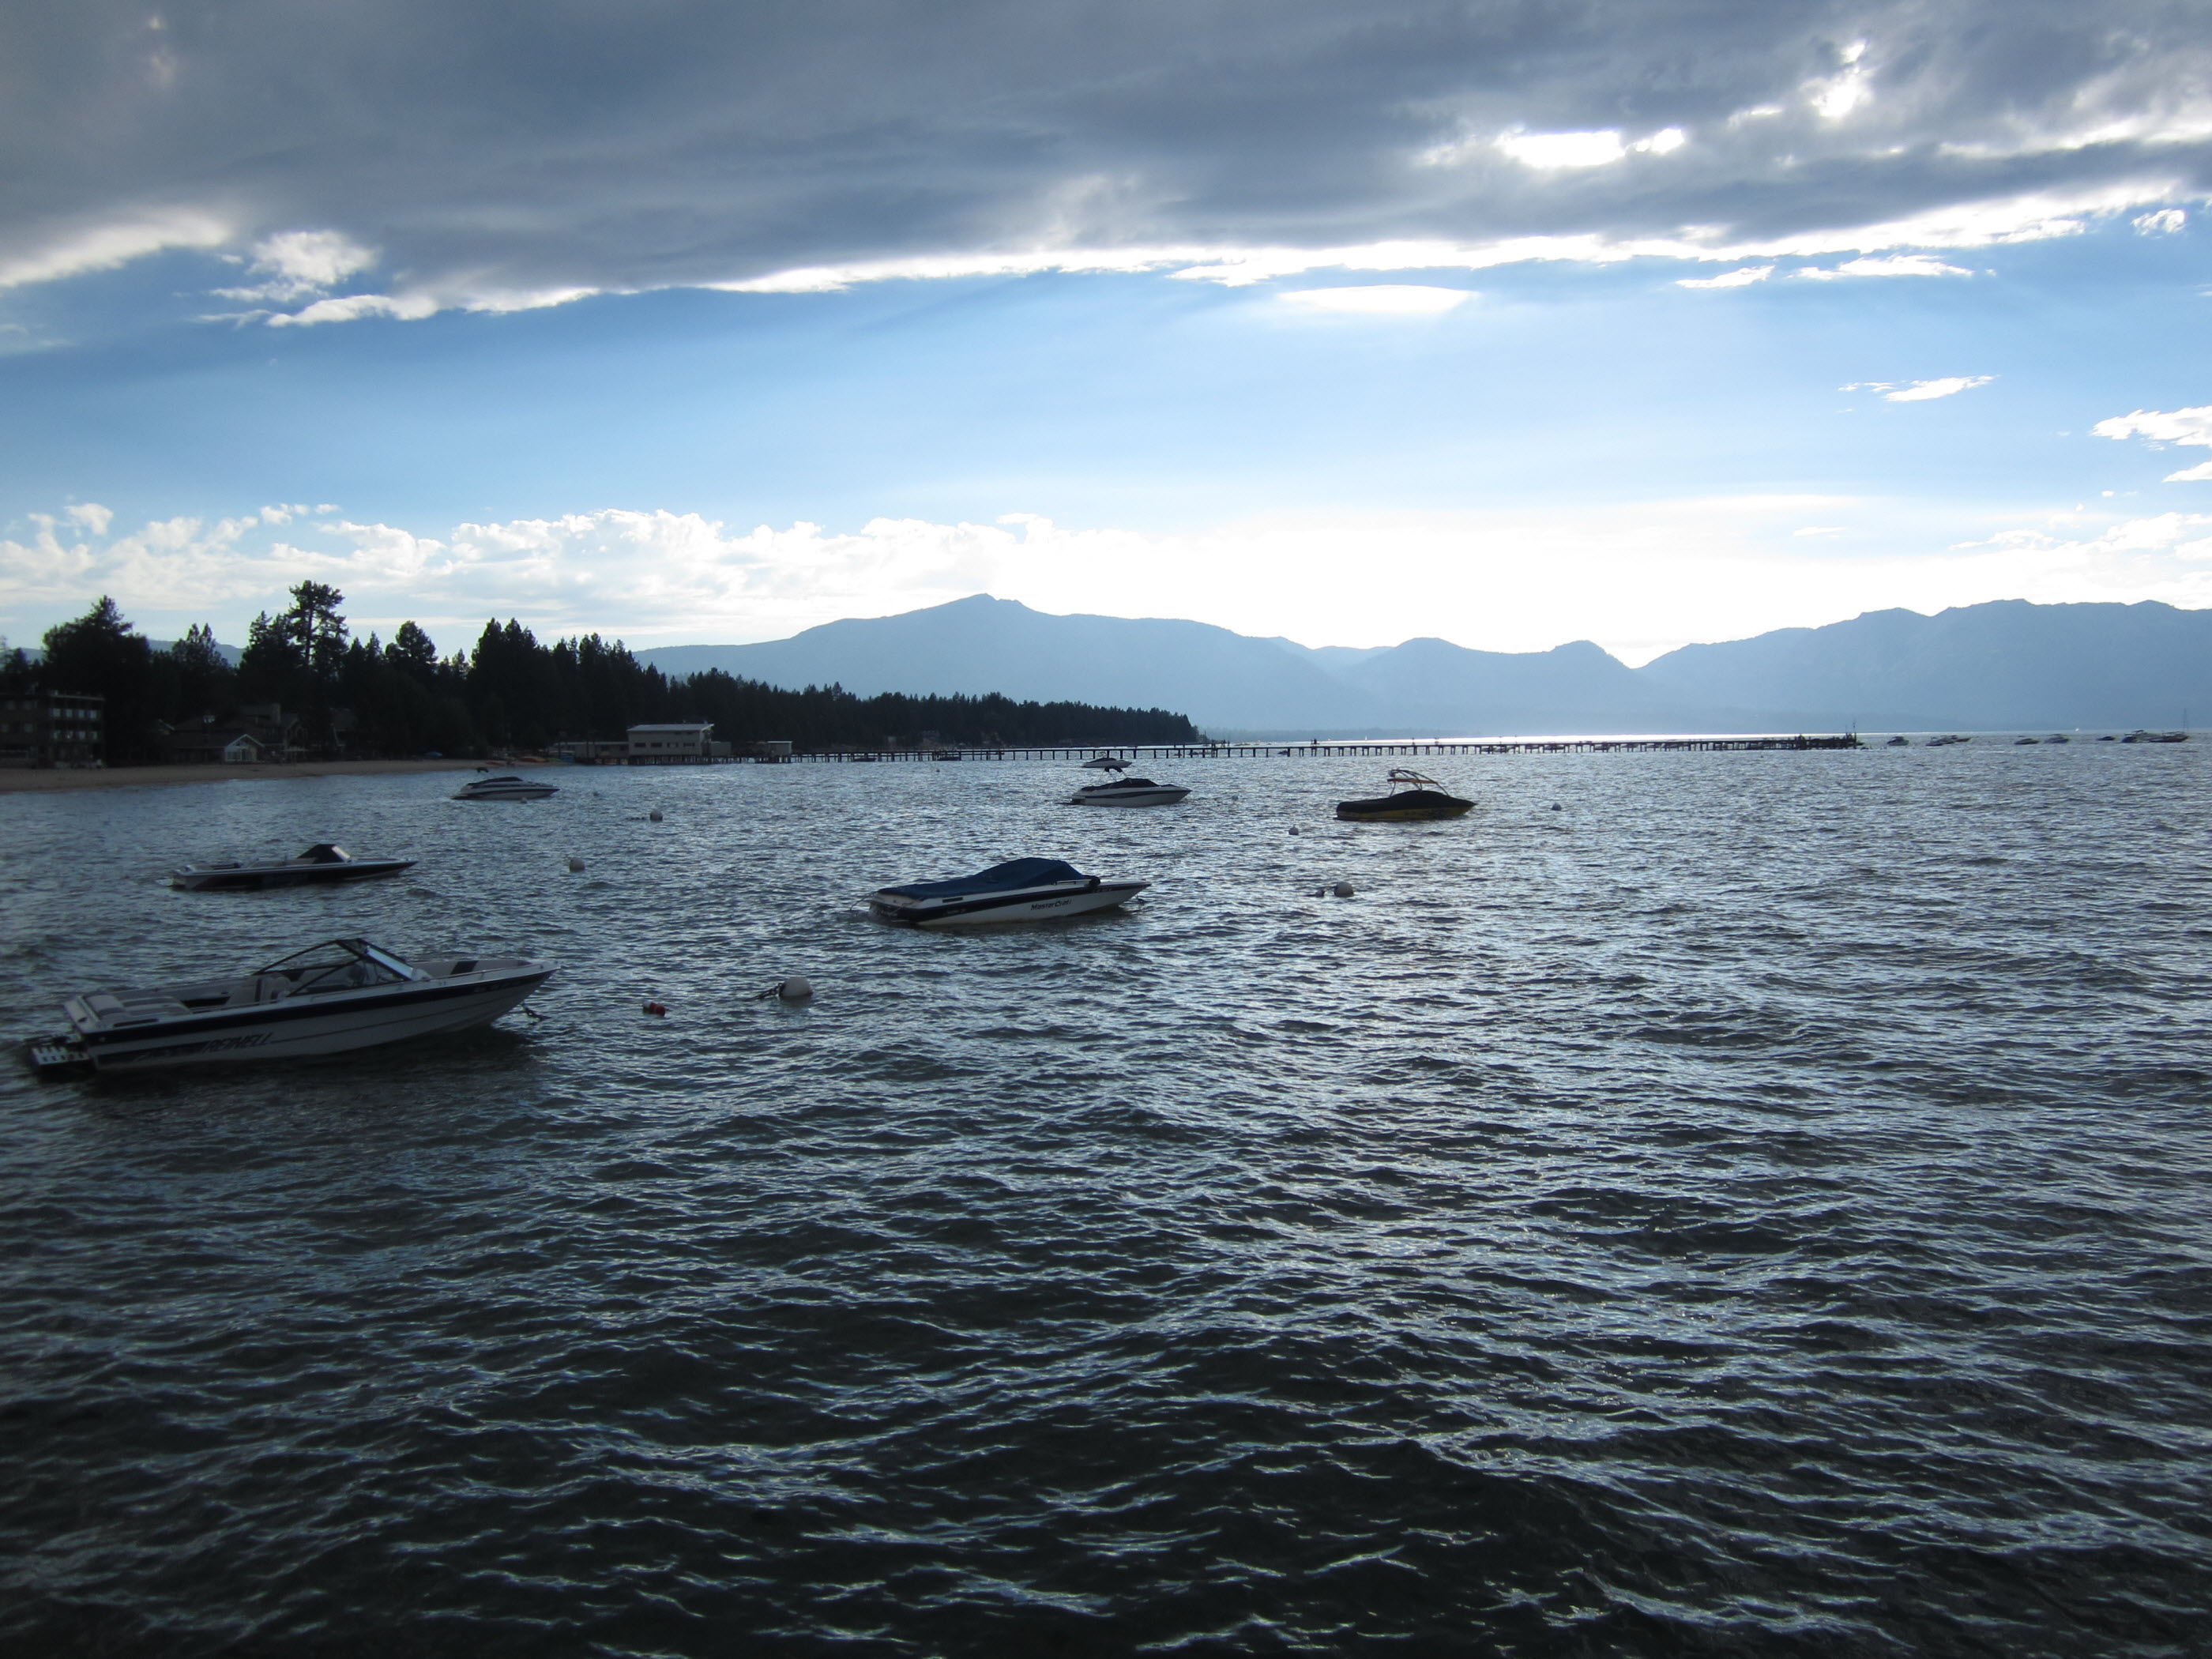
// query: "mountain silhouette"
[[2005, 665]]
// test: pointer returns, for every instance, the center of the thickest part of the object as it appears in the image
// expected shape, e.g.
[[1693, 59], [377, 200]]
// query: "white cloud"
[[299, 262], [2036, 216], [1836, 95], [2164, 222], [1386, 300], [1921, 391], [2161, 427], [74, 252], [92, 515], [1896, 265], [1638, 577], [1552, 150], [1739, 278]]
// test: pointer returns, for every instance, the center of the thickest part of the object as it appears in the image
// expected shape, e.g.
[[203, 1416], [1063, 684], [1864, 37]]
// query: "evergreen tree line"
[[373, 697]]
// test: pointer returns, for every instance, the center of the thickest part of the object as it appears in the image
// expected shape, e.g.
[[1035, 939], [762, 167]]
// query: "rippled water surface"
[[1756, 1204]]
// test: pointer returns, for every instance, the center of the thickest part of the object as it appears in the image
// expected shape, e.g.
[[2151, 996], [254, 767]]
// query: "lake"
[[1745, 1204]]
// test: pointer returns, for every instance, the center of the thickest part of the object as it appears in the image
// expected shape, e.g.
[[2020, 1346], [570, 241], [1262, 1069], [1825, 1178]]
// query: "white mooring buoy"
[[1342, 889], [654, 814], [794, 989], [576, 865]]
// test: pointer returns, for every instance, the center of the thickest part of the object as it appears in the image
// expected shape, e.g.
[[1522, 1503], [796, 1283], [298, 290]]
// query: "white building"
[[682, 742]]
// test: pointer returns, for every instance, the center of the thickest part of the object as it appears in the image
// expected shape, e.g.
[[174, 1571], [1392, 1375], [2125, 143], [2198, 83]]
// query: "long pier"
[[1360, 748]]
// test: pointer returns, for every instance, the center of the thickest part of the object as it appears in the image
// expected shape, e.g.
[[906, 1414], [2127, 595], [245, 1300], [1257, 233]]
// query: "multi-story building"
[[52, 728]]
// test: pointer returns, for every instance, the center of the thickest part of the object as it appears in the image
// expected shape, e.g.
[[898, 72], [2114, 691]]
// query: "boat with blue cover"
[[1020, 889]]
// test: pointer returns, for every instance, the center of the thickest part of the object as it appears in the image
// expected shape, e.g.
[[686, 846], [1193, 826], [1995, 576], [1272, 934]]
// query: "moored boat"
[[1020, 889], [506, 787], [1412, 798], [322, 862], [329, 999], [2156, 736], [1128, 792]]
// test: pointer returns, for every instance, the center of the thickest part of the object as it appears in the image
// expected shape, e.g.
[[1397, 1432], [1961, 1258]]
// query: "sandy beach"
[[24, 780]]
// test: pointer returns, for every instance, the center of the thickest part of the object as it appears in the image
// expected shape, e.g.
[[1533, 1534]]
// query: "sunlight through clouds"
[[1639, 577]]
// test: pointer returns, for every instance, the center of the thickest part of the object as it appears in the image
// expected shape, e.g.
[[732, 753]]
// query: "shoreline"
[[22, 781]]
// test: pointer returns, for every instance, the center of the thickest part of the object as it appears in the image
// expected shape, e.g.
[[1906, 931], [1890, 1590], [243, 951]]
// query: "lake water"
[[1744, 1204]]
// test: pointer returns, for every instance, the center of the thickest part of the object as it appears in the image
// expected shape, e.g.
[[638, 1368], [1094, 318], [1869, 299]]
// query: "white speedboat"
[[328, 999], [1127, 792], [1020, 889], [322, 862], [508, 787]]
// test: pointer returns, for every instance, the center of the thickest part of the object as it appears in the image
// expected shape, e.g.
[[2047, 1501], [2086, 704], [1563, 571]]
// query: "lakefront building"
[[674, 743], [52, 728]]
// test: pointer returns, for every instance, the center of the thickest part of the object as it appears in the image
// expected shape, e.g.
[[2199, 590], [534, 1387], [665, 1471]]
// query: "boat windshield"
[[324, 853], [340, 964]]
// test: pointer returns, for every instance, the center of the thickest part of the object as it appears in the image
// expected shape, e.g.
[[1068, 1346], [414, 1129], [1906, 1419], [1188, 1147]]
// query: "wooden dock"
[[1355, 748]]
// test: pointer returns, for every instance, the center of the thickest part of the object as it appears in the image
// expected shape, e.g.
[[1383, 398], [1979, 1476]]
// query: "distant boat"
[[1945, 742], [1412, 798], [508, 787], [1106, 763], [2017, 742], [320, 863], [1128, 792], [2058, 737], [2156, 736], [1898, 743]]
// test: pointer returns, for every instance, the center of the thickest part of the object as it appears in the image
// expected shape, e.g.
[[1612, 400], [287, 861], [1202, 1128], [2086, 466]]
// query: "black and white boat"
[[2156, 736], [1128, 792], [321, 863], [508, 787], [1413, 799], [328, 999], [1020, 889]]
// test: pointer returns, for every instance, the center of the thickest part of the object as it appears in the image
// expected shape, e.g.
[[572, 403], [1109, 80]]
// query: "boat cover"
[[1007, 877]]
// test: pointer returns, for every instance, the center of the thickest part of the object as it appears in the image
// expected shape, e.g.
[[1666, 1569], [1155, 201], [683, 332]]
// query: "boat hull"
[[1127, 797], [1389, 810], [371, 1018], [198, 879]]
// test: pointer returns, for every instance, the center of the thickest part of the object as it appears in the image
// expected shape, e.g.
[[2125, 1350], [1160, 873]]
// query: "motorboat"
[[1898, 743], [1020, 889], [1128, 792], [1412, 798], [506, 787], [322, 862], [329, 999], [2156, 736], [1106, 763], [2022, 743], [1946, 742], [2058, 737]]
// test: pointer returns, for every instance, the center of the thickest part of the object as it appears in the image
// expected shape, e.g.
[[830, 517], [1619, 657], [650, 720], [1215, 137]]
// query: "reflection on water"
[[1756, 1208]]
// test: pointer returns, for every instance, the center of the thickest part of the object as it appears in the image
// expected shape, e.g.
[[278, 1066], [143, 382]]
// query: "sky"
[[1641, 321]]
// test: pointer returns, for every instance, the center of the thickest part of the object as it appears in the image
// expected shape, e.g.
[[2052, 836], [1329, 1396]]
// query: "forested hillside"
[[369, 696]]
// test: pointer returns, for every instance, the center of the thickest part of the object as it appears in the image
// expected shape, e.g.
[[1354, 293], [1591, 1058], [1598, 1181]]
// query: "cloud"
[[1740, 278], [2164, 222], [2178, 426], [1919, 392], [1388, 300], [32, 253], [1638, 577], [1898, 264], [764, 148]]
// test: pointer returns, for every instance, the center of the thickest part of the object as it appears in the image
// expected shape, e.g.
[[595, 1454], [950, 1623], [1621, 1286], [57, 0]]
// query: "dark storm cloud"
[[499, 152]]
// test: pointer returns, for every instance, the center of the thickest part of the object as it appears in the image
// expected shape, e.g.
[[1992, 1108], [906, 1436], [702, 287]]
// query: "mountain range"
[[2005, 666]]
